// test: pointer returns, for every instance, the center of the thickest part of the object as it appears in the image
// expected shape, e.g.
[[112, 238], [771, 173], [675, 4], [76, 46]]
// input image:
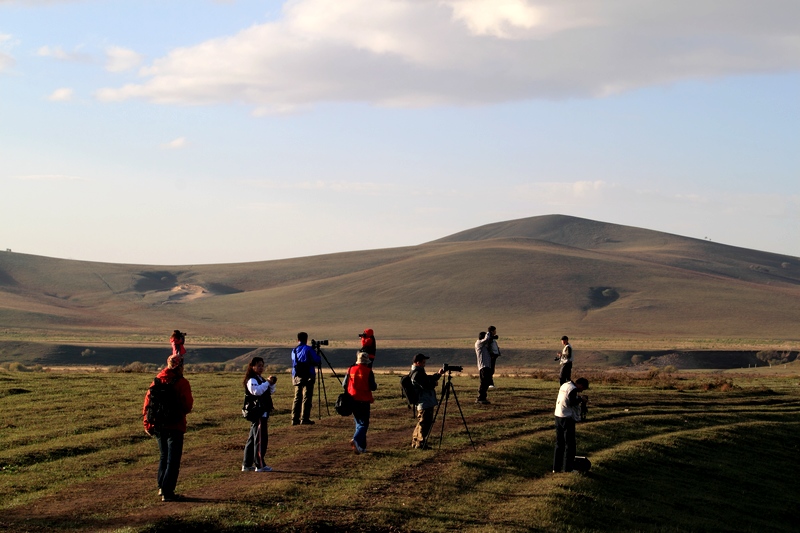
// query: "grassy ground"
[[696, 454]]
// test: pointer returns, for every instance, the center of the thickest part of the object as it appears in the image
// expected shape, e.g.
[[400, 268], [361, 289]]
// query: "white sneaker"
[[264, 469], [491, 386], [248, 469]]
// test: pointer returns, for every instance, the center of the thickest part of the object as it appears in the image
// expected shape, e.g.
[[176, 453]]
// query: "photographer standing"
[[257, 391], [426, 400], [359, 382], [484, 365], [304, 363], [565, 360], [176, 340], [494, 351], [166, 404], [568, 406], [368, 344]]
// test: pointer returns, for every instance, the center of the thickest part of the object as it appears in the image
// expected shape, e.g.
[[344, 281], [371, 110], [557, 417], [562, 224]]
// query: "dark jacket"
[[426, 387]]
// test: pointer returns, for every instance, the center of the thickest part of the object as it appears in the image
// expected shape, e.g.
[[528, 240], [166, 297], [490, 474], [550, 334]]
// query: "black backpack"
[[408, 390], [164, 407]]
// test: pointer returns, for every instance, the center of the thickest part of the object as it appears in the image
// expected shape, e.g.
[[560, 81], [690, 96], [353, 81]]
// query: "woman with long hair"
[[257, 393]]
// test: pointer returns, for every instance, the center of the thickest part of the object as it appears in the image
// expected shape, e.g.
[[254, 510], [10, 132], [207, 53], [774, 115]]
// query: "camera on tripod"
[[317, 344], [451, 368]]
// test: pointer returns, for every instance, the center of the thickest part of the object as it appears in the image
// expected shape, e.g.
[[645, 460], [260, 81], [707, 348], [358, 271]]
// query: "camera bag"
[[582, 464], [344, 404]]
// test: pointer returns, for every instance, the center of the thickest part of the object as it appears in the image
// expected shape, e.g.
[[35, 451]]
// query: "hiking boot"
[[295, 422], [264, 468], [248, 469], [307, 423], [171, 497], [354, 446], [483, 402]]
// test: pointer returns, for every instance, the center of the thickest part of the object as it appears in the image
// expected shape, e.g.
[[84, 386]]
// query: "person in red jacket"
[[165, 418], [359, 382], [368, 344], [176, 340]]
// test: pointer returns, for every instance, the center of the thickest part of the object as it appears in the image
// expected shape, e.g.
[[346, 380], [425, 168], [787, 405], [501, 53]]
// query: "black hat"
[[420, 357]]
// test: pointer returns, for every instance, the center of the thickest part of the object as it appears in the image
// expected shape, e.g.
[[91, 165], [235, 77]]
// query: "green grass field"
[[697, 452]]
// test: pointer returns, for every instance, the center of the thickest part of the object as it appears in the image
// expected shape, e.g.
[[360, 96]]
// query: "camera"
[[451, 368], [317, 344], [362, 335], [584, 407]]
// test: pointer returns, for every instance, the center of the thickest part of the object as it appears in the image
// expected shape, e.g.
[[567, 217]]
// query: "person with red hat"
[[368, 344]]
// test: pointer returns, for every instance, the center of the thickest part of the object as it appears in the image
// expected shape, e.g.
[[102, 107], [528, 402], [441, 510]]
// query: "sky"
[[192, 132]]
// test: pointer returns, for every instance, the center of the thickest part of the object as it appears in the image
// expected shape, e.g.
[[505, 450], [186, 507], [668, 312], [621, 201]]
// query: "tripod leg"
[[462, 418], [446, 395]]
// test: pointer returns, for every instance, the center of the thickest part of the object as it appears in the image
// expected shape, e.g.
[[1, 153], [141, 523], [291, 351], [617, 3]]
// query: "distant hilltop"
[[535, 278]]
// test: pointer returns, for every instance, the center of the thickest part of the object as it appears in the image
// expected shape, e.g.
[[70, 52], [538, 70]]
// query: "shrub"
[[637, 359], [88, 352], [16, 366], [136, 367]]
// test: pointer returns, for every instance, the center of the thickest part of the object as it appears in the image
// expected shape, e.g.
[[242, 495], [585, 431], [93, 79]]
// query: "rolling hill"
[[534, 278]]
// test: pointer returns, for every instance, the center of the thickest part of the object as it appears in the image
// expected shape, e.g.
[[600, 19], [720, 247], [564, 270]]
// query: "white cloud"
[[6, 61], [176, 144], [56, 52], [323, 185], [121, 59], [6, 43], [63, 94], [469, 52], [49, 177]]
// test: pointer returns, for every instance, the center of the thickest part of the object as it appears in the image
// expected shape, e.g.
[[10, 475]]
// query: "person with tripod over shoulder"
[[426, 400], [304, 362]]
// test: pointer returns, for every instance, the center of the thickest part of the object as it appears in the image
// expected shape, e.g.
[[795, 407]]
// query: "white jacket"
[[567, 400]]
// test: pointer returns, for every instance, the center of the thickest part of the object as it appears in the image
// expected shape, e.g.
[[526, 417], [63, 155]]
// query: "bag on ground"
[[582, 464]]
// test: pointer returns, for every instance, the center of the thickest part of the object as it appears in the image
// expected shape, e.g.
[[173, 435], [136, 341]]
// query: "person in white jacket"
[[567, 411], [484, 365], [258, 392]]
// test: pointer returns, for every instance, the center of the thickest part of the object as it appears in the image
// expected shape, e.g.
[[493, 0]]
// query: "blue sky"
[[182, 132]]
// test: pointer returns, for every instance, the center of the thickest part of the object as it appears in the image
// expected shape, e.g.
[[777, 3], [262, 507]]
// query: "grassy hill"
[[535, 279]]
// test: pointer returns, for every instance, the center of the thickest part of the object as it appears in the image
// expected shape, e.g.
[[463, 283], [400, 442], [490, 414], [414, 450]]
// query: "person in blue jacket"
[[304, 362]]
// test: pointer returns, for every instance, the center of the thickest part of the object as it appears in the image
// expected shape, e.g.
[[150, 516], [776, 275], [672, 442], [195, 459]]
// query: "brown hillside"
[[534, 278]]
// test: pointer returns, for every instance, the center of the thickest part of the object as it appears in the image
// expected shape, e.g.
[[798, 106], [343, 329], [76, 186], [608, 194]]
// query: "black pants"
[[486, 380], [170, 444], [257, 441], [564, 457], [565, 374]]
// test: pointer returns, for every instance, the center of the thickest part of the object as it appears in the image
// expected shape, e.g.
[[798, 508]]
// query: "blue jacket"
[[303, 353]]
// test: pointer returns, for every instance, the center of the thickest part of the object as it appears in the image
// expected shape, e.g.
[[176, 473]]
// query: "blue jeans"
[[256, 446], [170, 444], [361, 416]]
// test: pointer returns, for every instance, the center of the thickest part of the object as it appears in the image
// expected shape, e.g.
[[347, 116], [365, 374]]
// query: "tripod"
[[447, 388], [321, 389]]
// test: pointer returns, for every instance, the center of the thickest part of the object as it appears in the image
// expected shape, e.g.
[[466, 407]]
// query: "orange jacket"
[[360, 382]]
